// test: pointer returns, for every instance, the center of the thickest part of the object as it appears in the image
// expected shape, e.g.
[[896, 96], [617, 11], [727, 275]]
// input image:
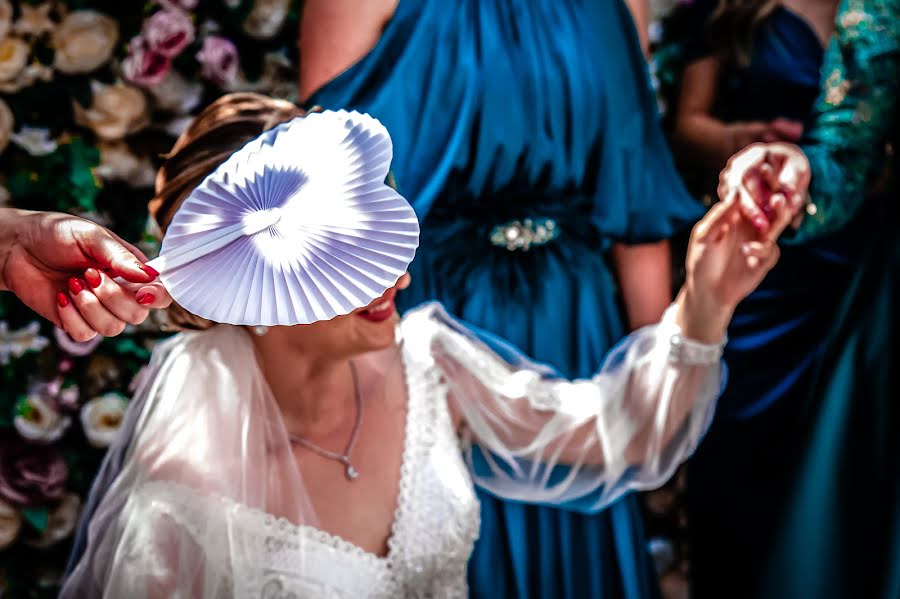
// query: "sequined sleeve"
[[855, 115]]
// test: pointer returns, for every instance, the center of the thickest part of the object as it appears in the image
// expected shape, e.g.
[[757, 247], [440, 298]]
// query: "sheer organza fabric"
[[209, 430]]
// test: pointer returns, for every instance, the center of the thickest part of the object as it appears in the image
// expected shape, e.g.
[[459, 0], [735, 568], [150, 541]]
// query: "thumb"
[[116, 256]]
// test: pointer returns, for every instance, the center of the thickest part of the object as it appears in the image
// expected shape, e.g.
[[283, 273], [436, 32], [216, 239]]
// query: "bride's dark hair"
[[223, 128]]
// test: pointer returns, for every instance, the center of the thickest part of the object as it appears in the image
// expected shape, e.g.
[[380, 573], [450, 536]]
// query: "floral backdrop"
[[92, 93]]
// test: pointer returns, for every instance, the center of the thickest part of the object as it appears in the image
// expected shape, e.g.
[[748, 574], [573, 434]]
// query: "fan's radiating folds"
[[297, 226]]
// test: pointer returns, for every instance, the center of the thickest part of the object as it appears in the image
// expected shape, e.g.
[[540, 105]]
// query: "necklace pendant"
[[351, 473]]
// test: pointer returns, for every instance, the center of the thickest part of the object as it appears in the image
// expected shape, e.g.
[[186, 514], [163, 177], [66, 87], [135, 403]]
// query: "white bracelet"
[[689, 351]]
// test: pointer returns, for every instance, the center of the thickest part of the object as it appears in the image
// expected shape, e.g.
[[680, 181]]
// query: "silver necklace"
[[344, 458]]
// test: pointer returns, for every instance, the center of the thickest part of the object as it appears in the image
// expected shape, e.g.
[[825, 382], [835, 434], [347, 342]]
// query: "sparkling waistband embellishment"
[[521, 235]]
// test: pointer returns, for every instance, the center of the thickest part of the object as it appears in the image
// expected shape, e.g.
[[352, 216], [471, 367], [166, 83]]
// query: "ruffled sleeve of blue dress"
[[492, 100]]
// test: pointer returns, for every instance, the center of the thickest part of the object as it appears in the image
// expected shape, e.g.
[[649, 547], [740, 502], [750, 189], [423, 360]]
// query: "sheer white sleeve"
[[528, 435]]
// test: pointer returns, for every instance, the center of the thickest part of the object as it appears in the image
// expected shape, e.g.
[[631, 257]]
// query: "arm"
[[584, 443], [854, 118], [334, 34], [702, 137], [643, 272], [855, 114]]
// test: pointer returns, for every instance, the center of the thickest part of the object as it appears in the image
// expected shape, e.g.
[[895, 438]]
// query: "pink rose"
[[219, 60], [30, 474], [182, 4], [75, 348], [168, 32], [143, 66]]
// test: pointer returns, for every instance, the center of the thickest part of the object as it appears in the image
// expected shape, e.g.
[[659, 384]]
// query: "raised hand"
[[727, 259], [758, 173]]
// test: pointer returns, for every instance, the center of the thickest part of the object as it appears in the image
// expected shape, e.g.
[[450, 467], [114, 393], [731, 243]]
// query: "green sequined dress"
[[841, 532]]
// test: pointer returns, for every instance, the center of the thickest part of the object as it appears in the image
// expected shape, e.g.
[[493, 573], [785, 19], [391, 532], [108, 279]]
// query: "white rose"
[[13, 58], [10, 524], [6, 127], [266, 18], [61, 523], [14, 344], [37, 420], [118, 163], [34, 140], [6, 12], [176, 94], [101, 418], [29, 75], [84, 41], [116, 111]]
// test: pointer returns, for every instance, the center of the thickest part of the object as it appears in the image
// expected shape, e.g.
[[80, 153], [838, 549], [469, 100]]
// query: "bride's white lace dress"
[[193, 511]]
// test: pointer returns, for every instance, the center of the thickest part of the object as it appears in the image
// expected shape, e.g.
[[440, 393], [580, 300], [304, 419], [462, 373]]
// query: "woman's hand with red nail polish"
[[106, 306], [40, 251]]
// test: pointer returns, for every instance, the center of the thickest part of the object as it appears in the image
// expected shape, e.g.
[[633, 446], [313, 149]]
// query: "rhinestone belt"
[[522, 235]]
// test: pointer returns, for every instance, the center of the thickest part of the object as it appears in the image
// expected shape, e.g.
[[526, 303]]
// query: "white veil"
[[208, 424]]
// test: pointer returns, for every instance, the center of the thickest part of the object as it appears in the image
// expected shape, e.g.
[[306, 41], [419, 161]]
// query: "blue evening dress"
[[526, 136]]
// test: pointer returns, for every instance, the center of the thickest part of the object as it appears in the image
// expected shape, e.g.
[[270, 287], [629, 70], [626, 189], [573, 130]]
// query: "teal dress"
[[742, 475], [526, 137], [840, 533]]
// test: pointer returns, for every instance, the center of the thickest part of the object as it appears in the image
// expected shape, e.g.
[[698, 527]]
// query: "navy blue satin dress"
[[521, 121], [740, 479]]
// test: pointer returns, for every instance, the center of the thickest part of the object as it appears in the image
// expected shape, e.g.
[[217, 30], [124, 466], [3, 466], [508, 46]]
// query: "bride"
[[338, 459]]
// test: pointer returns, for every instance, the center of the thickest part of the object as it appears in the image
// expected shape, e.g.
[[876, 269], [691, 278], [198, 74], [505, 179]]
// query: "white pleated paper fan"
[[298, 226]]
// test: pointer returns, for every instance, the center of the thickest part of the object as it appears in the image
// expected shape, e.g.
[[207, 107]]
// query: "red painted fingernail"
[[75, 286], [760, 222], [145, 299], [62, 299], [92, 277], [149, 270]]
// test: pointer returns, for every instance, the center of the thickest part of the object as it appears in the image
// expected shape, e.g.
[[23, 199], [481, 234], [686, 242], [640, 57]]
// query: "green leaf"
[[36, 517], [128, 346]]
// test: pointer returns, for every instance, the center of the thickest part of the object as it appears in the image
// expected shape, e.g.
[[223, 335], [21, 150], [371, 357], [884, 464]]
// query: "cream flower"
[[6, 12], [34, 20], [118, 163], [13, 58], [176, 94], [84, 41], [266, 18], [10, 524], [37, 420], [117, 110], [6, 127], [34, 140], [29, 75], [61, 523], [14, 344], [102, 417]]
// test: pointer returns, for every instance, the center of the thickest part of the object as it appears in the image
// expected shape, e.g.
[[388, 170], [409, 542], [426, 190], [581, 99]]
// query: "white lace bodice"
[[435, 525]]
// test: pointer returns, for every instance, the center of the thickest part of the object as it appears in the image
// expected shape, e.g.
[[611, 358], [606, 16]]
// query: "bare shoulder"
[[334, 34]]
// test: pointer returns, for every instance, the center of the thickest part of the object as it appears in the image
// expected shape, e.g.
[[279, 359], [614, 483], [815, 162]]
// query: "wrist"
[[9, 236], [14, 224], [700, 316]]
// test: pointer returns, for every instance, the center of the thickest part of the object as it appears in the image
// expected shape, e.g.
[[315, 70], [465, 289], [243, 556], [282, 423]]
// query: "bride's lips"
[[381, 309]]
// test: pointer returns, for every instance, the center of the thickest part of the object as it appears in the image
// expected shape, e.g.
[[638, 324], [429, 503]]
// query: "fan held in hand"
[[297, 226]]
